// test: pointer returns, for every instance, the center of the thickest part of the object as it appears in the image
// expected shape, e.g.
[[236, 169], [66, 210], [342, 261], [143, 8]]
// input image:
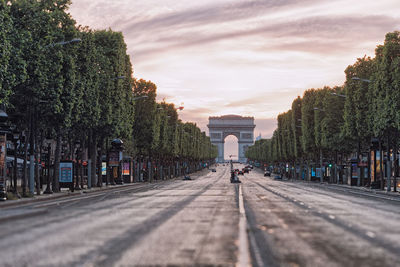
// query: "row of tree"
[[330, 124], [75, 86]]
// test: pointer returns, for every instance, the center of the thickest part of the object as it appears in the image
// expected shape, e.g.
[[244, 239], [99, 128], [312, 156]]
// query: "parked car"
[[267, 173], [213, 170], [277, 177]]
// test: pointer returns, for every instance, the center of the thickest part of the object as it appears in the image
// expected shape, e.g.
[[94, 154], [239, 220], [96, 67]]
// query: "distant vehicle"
[[240, 173], [213, 170], [245, 170], [277, 177], [267, 173]]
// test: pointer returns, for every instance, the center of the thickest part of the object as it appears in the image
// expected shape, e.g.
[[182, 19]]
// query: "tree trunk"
[[100, 164], [38, 157], [388, 164], [93, 158], [57, 157], [381, 164], [25, 166], [395, 163], [81, 171]]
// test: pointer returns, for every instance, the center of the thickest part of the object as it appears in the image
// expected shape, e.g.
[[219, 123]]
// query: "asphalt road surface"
[[206, 221]]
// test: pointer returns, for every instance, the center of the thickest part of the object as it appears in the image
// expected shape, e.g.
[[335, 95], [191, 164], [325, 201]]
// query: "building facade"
[[223, 126]]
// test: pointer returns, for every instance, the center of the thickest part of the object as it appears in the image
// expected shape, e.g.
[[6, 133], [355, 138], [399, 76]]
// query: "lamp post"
[[77, 165], [320, 152], [359, 145], [4, 129], [48, 187], [15, 138], [116, 150], [32, 123], [388, 161]]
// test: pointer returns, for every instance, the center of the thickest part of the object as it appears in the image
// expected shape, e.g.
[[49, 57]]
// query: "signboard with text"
[[66, 172], [113, 159], [104, 168], [125, 168]]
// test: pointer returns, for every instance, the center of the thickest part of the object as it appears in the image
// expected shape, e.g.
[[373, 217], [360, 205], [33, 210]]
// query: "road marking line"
[[244, 255]]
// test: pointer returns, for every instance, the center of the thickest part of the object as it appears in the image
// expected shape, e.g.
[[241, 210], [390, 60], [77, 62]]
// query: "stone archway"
[[223, 126]]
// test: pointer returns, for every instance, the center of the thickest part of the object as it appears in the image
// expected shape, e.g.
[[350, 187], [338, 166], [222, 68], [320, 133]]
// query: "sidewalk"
[[360, 188], [62, 194], [66, 192], [367, 189]]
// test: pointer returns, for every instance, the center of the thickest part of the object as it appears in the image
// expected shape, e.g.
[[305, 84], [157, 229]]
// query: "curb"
[[20, 202]]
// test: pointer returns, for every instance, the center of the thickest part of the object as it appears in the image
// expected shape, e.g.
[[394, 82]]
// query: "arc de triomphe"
[[223, 126]]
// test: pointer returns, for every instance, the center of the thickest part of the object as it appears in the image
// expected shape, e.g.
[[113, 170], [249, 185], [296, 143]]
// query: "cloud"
[[247, 101], [211, 14], [265, 127], [317, 35]]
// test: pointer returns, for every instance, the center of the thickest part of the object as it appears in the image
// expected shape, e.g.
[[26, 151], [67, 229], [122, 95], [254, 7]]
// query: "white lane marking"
[[371, 234], [244, 255]]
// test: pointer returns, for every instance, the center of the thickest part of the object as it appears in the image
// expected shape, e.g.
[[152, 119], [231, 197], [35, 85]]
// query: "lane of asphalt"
[[24, 209], [118, 244], [350, 228], [297, 196], [391, 196]]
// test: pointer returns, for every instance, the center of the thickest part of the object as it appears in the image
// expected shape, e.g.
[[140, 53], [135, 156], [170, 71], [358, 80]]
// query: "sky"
[[244, 57]]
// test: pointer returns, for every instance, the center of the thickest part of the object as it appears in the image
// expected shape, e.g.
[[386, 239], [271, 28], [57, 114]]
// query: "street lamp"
[[118, 78], [320, 109], [31, 152], [48, 188], [360, 79], [4, 129], [75, 40], [336, 94], [77, 164], [320, 151], [15, 138], [140, 97], [116, 151]]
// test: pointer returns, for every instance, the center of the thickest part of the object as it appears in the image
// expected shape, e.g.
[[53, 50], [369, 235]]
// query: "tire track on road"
[[337, 222], [113, 249]]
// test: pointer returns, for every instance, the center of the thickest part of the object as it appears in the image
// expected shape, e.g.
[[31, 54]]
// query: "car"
[[240, 173], [213, 170], [245, 170], [267, 173], [277, 177]]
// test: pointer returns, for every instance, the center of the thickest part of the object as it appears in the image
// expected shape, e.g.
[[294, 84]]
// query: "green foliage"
[[6, 30], [332, 123], [344, 118], [307, 121], [144, 127], [358, 102], [296, 127], [385, 112]]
